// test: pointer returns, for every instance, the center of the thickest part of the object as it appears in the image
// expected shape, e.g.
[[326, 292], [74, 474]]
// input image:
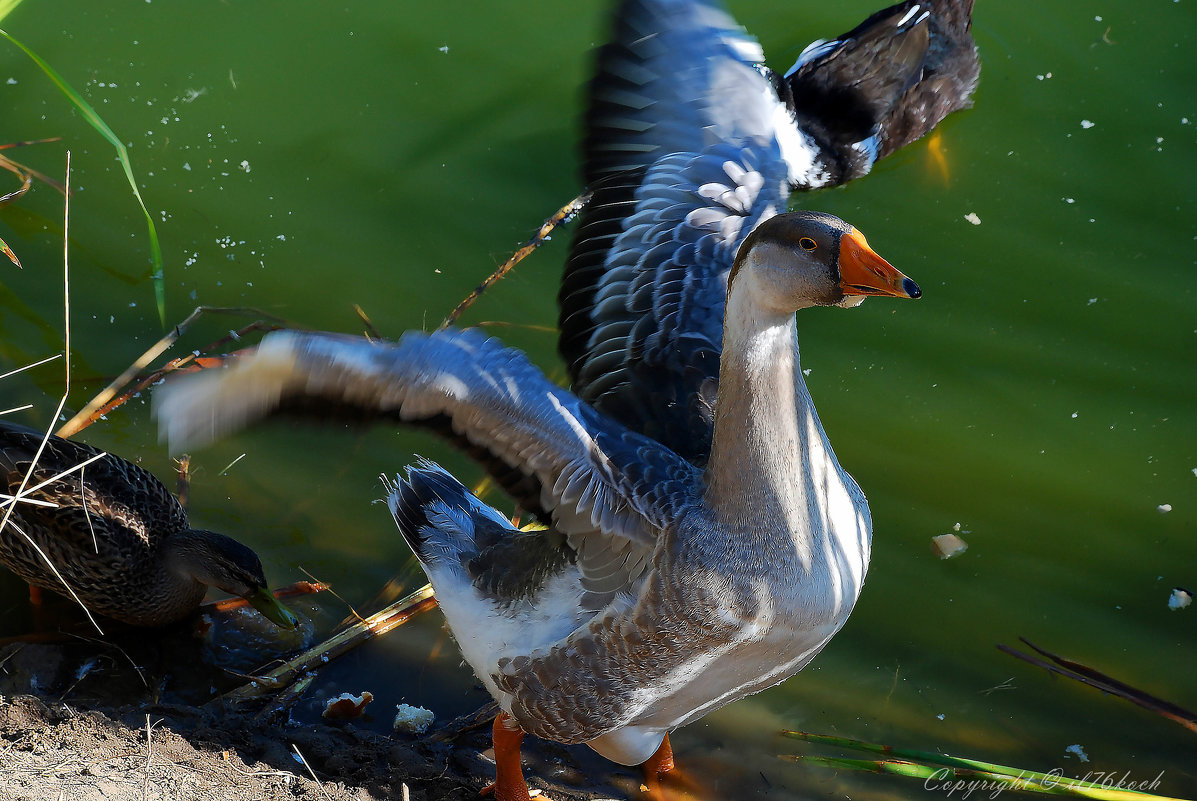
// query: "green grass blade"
[[7, 6], [903, 753], [96, 122], [930, 757], [957, 767]]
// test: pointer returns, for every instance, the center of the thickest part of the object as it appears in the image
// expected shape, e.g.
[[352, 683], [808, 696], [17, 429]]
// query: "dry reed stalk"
[[10, 505], [561, 216], [1092, 677], [343, 641], [106, 399]]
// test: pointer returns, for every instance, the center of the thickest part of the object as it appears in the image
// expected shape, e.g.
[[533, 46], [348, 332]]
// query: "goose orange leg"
[[660, 762], [509, 784], [658, 765]]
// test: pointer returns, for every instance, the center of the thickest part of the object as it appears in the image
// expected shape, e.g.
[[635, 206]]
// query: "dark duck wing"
[[690, 143], [887, 82]]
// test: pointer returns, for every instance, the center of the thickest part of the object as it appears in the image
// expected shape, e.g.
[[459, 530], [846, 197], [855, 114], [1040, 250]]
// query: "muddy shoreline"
[[77, 724], [53, 750]]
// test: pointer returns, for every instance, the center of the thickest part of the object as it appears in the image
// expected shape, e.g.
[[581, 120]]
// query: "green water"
[[301, 158]]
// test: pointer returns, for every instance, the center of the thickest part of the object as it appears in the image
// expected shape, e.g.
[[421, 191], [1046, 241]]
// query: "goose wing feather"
[[675, 76], [610, 490], [642, 303]]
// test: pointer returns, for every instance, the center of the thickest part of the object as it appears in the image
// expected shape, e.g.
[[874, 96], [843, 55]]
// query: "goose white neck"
[[756, 452], [772, 475]]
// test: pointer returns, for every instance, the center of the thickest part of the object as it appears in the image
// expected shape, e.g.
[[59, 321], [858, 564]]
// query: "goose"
[[690, 142], [114, 534], [684, 568], [663, 589]]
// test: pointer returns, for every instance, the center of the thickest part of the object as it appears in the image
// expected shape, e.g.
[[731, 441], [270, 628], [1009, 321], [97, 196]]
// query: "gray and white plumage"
[[704, 541], [664, 589], [690, 143]]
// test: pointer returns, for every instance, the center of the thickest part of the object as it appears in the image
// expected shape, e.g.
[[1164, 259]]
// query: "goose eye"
[[806, 243]]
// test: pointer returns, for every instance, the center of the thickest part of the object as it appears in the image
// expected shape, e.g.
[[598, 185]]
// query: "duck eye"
[[806, 243]]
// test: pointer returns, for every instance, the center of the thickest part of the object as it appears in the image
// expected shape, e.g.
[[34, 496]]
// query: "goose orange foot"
[[509, 784], [675, 787]]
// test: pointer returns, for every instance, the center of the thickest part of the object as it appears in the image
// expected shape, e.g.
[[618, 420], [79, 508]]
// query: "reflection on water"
[[303, 160]]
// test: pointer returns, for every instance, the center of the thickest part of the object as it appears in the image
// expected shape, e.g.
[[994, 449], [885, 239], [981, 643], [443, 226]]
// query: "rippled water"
[[300, 159]]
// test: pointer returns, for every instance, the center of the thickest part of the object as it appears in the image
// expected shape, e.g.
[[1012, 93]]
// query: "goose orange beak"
[[863, 272]]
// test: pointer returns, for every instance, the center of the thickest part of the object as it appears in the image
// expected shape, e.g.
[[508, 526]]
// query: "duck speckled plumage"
[[116, 535]]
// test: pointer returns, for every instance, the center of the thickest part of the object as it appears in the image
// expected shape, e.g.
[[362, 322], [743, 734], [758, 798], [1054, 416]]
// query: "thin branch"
[[340, 643], [1084, 674], [311, 772], [15, 409], [563, 215], [31, 366], [97, 405]]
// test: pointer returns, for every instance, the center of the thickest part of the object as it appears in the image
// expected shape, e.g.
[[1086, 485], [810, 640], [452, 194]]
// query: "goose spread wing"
[[690, 143], [644, 290], [674, 77], [610, 490], [885, 83], [682, 157]]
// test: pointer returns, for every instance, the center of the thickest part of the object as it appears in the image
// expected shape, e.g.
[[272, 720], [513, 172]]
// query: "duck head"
[[219, 561]]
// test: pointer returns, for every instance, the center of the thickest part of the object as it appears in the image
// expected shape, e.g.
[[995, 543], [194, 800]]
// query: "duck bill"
[[271, 609], [863, 272]]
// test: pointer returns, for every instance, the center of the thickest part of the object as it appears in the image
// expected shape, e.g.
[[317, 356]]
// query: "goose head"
[[808, 258]]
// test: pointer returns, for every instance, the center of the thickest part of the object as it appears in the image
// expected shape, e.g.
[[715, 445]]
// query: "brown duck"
[[115, 534]]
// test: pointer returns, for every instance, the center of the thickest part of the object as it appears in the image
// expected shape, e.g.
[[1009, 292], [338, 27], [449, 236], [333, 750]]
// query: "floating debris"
[[1164, 508], [945, 546], [1179, 599], [412, 719], [1086, 124], [1078, 751], [973, 218], [347, 706]]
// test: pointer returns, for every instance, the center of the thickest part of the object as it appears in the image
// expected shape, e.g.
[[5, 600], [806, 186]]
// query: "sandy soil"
[[65, 739], [57, 751], [52, 750]]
